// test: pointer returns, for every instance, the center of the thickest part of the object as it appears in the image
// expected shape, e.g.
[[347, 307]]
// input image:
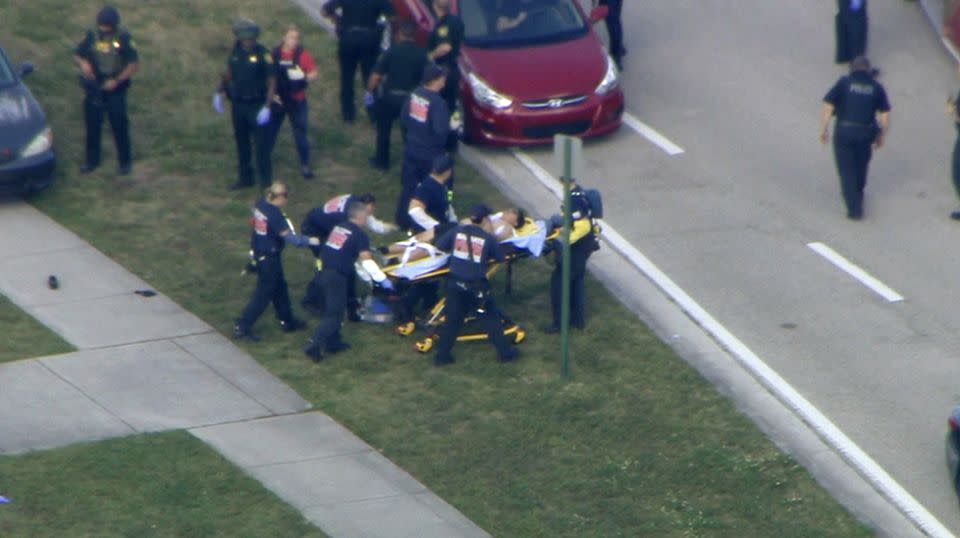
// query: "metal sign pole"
[[565, 275]]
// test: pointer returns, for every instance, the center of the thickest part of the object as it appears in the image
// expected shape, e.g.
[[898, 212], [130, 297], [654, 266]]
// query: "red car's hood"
[[573, 67]]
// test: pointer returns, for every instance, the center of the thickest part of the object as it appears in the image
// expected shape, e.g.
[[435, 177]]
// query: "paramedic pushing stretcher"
[[468, 290]]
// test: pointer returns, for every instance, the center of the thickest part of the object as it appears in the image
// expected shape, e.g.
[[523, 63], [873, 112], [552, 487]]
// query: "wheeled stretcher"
[[528, 241]]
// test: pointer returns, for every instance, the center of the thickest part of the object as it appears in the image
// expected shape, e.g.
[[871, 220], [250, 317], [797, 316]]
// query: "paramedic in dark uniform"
[[271, 231], [425, 123], [862, 110], [583, 243], [250, 84], [851, 28], [346, 244], [468, 291], [615, 30], [397, 73], [358, 36], [319, 222], [295, 69], [444, 46], [107, 59]]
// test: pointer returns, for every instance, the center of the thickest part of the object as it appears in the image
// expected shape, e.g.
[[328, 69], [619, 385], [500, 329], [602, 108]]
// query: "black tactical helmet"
[[246, 29], [108, 16]]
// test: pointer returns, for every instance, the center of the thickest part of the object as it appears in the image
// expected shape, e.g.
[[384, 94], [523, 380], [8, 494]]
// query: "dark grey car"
[[27, 160]]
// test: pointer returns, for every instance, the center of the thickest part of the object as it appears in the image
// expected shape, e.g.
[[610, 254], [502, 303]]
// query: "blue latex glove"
[[368, 99], [387, 285], [218, 103], [263, 117]]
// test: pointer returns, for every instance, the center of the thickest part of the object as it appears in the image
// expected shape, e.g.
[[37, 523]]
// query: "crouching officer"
[[397, 73], [425, 123], [863, 116], [583, 242], [319, 222], [107, 59], [468, 289], [271, 231], [358, 43], [346, 243], [250, 84]]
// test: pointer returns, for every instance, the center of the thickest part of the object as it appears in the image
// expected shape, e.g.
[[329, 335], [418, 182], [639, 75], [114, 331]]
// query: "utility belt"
[[398, 93], [249, 99], [845, 123]]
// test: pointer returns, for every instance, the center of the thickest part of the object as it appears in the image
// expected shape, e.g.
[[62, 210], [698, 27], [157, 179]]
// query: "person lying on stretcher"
[[503, 225]]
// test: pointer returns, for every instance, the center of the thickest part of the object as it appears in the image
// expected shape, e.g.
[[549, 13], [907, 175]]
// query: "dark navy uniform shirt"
[[435, 198], [425, 121], [358, 13], [249, 71], [857, 98], [321, 220], [403, 65], [471, 249], [344, 244], [108, 53], [269, 223], [449, 29]]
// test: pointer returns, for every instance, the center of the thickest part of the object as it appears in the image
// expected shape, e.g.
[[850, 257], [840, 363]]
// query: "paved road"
[[730, 219]]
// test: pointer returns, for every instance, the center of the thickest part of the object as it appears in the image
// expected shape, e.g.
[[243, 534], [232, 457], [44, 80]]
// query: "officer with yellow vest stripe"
[[107, 59], [583, 242]]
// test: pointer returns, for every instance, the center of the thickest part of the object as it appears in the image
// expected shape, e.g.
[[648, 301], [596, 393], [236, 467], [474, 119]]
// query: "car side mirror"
[[598, 13], [26, 68]]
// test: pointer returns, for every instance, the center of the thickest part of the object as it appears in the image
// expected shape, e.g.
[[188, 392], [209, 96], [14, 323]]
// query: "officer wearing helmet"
[[107, 59], [862, 110], [583, 243], [249, 84]]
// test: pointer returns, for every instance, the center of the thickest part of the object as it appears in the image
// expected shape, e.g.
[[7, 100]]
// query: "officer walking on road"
[[295, 70], [444, 46], [583, 242], [271, 231], [425, 122], [319, 222], [862, 110], [346, 244], [359, 35], [851, 29], [954, 113], [250, 84], [397, 73], [468, 289], [108, 60], [615, 30]]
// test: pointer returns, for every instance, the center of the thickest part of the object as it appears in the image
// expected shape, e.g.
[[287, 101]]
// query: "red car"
[[546, 74]]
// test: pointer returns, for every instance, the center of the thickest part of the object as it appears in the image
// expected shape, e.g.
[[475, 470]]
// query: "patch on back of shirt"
[[419, 108]]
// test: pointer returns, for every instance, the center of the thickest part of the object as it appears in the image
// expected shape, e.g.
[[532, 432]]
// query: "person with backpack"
[[295, 69]]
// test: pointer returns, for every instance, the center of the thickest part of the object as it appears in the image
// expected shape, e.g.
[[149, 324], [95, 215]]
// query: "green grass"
[[638, 444], [158, 485], [24, 337]]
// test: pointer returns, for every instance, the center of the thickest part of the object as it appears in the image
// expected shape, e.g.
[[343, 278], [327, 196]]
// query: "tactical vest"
[[249, 73], [287, 86], [107, 56]]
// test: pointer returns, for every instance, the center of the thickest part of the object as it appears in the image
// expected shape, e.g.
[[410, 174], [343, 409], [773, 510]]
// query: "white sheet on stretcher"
[[410, 270]]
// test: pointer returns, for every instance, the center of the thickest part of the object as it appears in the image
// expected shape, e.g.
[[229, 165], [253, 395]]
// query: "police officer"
[[346, 244], [863, 117], [425, 122], [397, 73], [468, 291], [271, 231], [444, 46], [250, 84], [319, 222], [954, 113], [851, 29], [583, 242], [359, 36], [108, 60], [615, 30], [295, 70]]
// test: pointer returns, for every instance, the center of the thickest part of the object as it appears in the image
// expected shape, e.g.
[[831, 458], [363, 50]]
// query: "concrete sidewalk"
[[145, 364]]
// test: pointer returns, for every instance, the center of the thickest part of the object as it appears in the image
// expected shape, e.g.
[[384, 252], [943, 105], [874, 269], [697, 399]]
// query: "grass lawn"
[[168, 484], [636, 445], [24, 337]]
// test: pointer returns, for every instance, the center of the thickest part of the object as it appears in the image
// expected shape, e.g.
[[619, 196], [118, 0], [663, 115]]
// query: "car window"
[[508, 23], [6, 72]]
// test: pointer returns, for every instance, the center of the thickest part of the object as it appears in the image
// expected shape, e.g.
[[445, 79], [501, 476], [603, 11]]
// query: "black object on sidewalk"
[[53, 283]]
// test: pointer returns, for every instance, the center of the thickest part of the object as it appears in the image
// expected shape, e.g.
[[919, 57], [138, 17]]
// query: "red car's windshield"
[[512, 23]]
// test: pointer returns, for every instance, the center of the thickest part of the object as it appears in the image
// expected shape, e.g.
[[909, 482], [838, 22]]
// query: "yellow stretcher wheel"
[[424, 345], [405, 329], [519, 336]]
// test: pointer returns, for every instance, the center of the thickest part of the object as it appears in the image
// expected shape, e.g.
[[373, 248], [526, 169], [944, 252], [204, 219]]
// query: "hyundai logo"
[[555, 103]]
